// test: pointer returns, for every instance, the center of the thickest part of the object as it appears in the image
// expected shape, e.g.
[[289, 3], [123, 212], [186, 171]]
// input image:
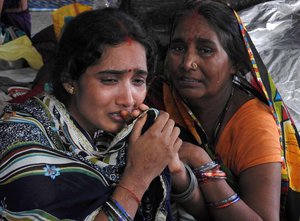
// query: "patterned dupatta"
[[260, 80], [43, 147], [289, 137]]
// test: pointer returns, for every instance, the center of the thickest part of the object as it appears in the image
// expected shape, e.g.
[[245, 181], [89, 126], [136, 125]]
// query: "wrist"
[[180, 179], [135, 184], [186, 194]]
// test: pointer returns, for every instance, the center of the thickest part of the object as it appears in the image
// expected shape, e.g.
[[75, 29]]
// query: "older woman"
[[242, 145]]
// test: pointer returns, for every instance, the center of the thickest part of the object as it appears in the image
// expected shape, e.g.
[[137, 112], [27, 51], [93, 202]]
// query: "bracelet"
[[187, 194], [121, 209], [205, 167], [226, 202], [133, 195], [115, 211], [210, 174]]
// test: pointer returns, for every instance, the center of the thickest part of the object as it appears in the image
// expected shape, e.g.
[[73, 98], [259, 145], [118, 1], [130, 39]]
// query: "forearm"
[[128, 194], [195, 204], [216, 191], [23, 5], [1, 6]]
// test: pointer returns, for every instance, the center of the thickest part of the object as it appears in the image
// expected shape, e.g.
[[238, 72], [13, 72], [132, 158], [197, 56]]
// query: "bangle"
[[133, 195], [205, 167], [121, 209], [210, 174], [226, 202], [115, 211], [187, 194]]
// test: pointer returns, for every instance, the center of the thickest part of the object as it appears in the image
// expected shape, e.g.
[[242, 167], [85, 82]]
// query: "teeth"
[[116, 114], [190, 80]]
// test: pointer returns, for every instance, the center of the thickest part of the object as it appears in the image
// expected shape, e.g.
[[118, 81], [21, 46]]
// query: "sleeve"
[[252, 138]]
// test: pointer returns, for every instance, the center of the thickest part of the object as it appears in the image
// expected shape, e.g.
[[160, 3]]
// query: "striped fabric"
[[51, 169]]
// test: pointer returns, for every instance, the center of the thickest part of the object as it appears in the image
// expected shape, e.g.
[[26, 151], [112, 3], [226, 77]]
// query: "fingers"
[[136, 112], [130, 116], [149, 153], [137, 130]]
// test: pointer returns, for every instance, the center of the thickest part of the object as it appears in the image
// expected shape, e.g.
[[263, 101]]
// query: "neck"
[[211, 111]]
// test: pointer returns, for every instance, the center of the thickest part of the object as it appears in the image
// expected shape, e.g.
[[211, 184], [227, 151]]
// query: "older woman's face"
[[117, 82], [195, 43]]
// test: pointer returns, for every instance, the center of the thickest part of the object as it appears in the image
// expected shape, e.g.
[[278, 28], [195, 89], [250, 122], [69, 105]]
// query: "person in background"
[[16, 13], [239, 139], [75, 153]]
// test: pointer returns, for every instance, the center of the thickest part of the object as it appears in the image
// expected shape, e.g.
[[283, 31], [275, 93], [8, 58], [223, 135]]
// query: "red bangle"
[[131, 193]]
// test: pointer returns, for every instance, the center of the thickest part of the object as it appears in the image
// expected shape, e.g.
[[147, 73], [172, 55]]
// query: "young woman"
[[242, 145], [64, 155]]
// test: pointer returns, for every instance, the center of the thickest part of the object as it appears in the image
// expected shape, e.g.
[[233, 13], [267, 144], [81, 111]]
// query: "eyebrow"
[[119, 72], [198, 40]]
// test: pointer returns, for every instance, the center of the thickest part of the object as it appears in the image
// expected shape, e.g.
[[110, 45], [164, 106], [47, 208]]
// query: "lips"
[[116, 116], [188, 82], [188, 79]]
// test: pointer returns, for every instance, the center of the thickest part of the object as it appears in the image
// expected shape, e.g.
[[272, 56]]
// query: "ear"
[[69, 88]]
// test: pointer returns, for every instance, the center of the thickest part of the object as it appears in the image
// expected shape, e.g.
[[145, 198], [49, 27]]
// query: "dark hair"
[[222, 19], [82, 43]]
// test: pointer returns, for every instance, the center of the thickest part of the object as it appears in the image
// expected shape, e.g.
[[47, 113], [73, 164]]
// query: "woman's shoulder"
[[253, 115], [251, 137], [254, 109]]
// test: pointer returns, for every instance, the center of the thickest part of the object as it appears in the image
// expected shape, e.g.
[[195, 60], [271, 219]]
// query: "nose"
[[189, 60], [125, 96]]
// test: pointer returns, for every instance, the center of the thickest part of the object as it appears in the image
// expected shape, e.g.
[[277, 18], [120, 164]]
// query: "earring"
[[194, 66], [69, 88]]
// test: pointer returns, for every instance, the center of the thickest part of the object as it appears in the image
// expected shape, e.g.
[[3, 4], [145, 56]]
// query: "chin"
[[115, 129]]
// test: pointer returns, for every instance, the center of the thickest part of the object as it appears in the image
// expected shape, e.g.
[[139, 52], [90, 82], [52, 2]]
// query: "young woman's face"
[[117, 82], [196, 62]]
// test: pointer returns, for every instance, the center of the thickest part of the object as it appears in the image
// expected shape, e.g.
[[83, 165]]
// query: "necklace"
[[221, 117]]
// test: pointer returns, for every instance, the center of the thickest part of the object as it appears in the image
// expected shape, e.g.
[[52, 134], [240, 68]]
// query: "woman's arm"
[[259, 193], [194, 204], [22, 6], [259, 190], [148, 155], [1, 7]]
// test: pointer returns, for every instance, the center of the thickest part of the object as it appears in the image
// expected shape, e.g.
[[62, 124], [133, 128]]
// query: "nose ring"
[[194, 66]]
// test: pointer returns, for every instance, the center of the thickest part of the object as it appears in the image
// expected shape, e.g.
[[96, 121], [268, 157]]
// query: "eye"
[[139, 81], [108, 80], [206, 51], [177, 48]]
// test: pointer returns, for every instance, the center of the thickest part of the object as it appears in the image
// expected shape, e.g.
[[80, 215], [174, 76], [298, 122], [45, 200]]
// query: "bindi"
[[128, 40]]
